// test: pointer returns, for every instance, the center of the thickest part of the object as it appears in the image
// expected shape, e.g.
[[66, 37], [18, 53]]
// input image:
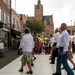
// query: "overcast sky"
[[62, 10]]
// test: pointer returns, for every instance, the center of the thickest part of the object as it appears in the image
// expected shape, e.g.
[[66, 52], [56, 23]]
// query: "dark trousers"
[[47, 50], [50, 49], [54, 54], [19, 52], [40, 50], [73, 48]]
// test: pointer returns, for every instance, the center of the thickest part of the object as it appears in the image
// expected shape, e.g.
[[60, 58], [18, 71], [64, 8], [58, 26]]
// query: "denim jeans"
[[62, 59]]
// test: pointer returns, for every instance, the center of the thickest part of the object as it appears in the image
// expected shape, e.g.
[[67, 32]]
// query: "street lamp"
[[71, 27]]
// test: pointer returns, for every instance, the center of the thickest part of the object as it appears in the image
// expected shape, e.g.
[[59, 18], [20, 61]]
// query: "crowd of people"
[[62, 49], [60, 45]]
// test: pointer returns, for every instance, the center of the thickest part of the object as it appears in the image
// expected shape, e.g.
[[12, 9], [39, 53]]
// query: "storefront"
[[4, 37], [15, 36]]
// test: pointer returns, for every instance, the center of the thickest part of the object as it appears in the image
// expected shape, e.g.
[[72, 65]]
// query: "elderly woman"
[[1, 49], [27, 45]]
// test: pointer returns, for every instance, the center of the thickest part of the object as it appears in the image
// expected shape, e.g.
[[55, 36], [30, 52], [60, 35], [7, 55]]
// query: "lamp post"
[[71, 27]]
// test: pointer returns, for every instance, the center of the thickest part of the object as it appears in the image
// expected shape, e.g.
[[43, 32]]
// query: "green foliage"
[[35, 26]]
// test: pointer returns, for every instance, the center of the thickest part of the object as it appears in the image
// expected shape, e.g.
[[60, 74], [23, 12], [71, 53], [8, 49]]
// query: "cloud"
[[54, 4], [65, 14]]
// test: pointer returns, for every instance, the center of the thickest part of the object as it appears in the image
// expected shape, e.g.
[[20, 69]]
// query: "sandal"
[[20, 70], [32, 64], [34, 58], [29, 72]]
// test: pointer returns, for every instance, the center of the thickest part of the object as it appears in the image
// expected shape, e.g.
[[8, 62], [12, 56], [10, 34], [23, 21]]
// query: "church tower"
[[47, 19], [38, 11]]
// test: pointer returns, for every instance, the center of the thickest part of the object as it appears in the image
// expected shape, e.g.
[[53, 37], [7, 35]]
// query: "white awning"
[[5, 29], [18, 36]]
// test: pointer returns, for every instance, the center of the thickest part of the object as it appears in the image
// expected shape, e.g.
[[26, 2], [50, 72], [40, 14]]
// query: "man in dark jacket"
[[19, 50]]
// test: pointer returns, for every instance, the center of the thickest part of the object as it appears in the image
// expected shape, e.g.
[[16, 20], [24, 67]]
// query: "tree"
[[35, 26]]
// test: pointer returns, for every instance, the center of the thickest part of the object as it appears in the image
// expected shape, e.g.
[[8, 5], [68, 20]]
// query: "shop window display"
[[4, 37]]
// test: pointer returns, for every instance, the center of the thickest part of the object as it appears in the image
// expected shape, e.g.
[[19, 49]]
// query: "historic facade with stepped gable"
[[47, 20]]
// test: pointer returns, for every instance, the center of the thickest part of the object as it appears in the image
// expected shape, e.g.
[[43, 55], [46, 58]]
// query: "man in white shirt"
[[27, 45], [55, 48], [51, 45], [52, 40], [63, 50]]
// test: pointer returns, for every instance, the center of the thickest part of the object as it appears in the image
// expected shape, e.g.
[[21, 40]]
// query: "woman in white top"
[[27, 45], [1, 49], [70, 56]]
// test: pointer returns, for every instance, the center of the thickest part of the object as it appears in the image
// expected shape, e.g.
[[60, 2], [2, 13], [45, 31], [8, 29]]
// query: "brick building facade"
[[47, 20], [23, 20], [5, 22]]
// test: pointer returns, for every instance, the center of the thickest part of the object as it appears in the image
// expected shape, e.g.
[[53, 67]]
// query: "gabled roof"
[[44, 17], [47, 19]]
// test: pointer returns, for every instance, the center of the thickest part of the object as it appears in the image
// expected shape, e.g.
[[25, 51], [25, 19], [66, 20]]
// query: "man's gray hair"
[[64, 25]]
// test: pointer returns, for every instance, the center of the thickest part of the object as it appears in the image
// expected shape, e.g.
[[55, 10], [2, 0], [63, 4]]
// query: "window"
[[8, 20], [37, 13], [13, 20], [47, 33], [21, 29], [4, 17], [5, 1], [17, 24], [74, 33], [13, 25], [1, 15], [9, 2]]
